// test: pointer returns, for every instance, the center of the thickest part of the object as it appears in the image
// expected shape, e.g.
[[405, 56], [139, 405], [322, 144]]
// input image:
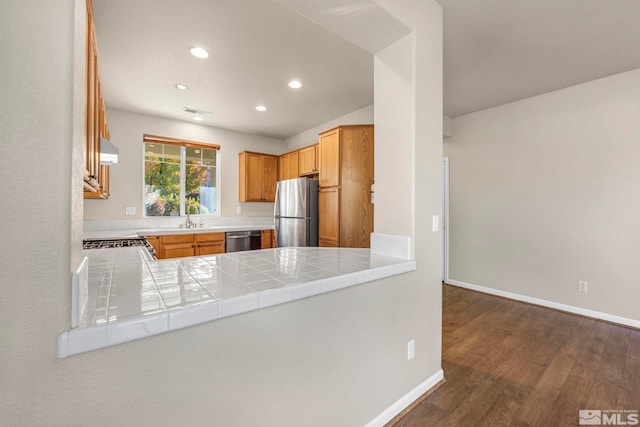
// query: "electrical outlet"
[[411, 349], [582, 285], [238, 210]]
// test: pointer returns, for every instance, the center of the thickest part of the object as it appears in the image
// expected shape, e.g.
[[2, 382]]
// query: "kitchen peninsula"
[[123, 294]]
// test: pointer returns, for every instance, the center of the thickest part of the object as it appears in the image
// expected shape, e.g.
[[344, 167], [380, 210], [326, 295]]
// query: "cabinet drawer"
[[176, 238], [210, 248], [210, 237]]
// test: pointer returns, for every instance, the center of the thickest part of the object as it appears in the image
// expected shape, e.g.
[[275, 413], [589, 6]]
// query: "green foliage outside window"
[[164, 184]]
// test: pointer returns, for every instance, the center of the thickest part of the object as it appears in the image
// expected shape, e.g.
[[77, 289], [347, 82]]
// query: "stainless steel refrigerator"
[[296, 212]]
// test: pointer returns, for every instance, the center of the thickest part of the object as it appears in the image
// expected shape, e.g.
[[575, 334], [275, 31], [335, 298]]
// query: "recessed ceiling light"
[[261, 108], [181, 86], [295, 84], [199, 52], [198, 118]]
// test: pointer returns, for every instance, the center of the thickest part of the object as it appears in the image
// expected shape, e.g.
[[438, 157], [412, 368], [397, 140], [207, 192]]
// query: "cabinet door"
[[329, 158], [307, 161], [266, 239], [283, 172], [177, 250], [254, 176], [270, 169], [329, 217], [293, 165], [257, 177], [154, 241], [91, 149], [356, 209], [104, 175]]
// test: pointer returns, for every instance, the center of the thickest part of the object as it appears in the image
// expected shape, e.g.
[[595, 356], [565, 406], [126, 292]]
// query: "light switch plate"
[[436, 223], [130, 210]]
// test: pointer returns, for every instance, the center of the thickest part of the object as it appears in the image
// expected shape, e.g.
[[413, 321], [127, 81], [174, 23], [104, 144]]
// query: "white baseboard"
[[406, 400], [551, 304]]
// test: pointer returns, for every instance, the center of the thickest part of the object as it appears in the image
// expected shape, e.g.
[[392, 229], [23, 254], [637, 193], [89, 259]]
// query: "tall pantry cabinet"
[[345, 179]]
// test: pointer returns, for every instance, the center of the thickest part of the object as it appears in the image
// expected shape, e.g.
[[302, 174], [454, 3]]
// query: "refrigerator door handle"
[[276, 226]]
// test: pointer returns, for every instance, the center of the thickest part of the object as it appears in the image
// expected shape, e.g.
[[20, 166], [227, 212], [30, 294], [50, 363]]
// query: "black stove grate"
[[117, 243]]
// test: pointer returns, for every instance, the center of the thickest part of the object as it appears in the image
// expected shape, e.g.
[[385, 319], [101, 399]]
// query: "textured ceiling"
[[499, 51], [495, 52], [256, 47]]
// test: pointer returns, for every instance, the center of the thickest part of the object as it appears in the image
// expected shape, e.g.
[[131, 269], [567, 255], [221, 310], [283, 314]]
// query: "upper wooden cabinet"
[[329, 151], [288, 166], [307, 163], [257, 177], [302, 162], [346, 175], [96, 176]]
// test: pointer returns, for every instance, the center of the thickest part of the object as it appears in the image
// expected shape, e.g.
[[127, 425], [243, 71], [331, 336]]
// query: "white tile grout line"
[[113, 263], [155, 285]]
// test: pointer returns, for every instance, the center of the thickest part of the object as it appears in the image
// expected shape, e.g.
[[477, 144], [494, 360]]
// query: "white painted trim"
[[551, 304], [445, 213], [406, 400]]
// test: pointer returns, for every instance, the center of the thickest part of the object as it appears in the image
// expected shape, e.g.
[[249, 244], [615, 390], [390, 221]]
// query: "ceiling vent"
[[195, 111]]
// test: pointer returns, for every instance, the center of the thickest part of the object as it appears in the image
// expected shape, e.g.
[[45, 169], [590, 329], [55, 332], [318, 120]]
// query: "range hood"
[[109, 153]]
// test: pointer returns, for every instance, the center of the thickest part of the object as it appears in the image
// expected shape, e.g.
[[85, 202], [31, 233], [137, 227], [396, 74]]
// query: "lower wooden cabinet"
[[329, 217], [178, 250], [183, 245], [176, 246], [199, 244], [210, 243], [155, 242], [267, 239]]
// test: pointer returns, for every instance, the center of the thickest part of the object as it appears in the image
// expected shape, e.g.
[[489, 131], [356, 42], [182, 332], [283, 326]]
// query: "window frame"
[[183, 144]]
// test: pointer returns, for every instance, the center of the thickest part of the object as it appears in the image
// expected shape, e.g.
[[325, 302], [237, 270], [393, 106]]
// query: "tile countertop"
[[125, 233], [126, 295]]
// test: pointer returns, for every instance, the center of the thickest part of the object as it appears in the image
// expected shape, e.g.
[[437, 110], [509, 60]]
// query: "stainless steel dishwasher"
[[243, 240]]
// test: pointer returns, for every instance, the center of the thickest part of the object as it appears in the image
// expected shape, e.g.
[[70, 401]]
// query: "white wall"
[[394, 163], [408, 144], [544, 192], [126, 130], [360, 116], [335, 359], [41, 191]]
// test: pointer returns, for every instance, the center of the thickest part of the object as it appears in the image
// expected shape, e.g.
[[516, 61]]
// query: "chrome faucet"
[[189, 223]]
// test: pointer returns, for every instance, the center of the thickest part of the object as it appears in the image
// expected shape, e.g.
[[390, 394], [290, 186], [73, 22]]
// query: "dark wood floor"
[[512, 364]]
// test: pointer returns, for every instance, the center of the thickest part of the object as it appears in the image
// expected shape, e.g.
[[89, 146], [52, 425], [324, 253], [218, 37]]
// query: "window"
[[179, 177]]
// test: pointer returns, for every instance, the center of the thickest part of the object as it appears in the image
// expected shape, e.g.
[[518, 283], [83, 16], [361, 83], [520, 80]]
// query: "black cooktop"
[[118, 243]]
